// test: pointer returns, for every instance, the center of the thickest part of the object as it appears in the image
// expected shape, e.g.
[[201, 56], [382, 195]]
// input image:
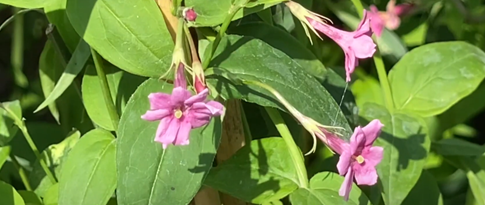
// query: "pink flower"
[[180, 80], [389, 19], [179, 113], [359, 158], [189, 14], [356, 45]]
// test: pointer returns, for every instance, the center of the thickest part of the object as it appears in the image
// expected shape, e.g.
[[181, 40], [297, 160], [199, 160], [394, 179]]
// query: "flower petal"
[[198, 115], [357, 141], [373, 156], [159, 101], [346, 185], [167, 131], [372, 131], [363, 47], [344, 162], [216, 108], [200, 97], [183, 134], [152, 115], [179, 95], [350, 64], [365, 174]]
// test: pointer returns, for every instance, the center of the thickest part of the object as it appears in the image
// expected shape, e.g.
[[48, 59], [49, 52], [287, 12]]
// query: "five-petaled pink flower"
[[356, 45], [359, 158], [389, 19], [179, 113]]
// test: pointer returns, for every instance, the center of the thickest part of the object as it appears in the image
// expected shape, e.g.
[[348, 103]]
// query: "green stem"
[[23, 175], [103, 81], [381, 68], [247, 131], [220, 34], [17, 57], [295, 153], [382, 74]]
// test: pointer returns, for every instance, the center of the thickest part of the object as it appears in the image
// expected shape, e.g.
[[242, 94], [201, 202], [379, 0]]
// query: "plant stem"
[[220, 34], [17, 57], [296, 154], [380, 67], [382, 74], [23, 175], [247, 131], [103, 81]]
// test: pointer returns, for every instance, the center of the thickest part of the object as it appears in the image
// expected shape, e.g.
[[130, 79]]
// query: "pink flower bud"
[[189, 14]]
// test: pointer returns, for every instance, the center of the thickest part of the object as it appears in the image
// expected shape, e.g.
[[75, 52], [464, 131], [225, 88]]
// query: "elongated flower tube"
[[303, 15]]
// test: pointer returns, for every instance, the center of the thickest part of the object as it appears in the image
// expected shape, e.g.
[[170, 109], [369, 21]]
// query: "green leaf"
[[121, 84], [475, 174], [25, 3], [54, 156], [367, 89], [147, 173], [425, 185], [75, 65], [4, 154], [10, 113], [133, 38], [209, 15], [56, 13], [259, 173], [50, 69], [52, 195], [283, 41], [431, 78], [9, 195], [274, 68], [457, 147], [304, 196], [406, 145], [333, 181], [30, 198], [95, 182]]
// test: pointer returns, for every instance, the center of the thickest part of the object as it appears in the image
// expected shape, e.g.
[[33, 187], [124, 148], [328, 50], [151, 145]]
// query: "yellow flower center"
[[360, 159], [178, 113]]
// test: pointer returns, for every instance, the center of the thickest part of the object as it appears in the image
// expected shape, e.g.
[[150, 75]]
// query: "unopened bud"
[[189, 14], [199, 78]]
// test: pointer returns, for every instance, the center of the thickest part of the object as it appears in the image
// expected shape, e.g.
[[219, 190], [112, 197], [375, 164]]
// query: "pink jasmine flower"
[[359, 158], [356, 45], [389, 19], [179, 113]]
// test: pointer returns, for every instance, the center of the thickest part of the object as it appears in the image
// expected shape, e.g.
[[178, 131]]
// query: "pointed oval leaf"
[[133, 38], [433, 77], [56, 14], [10, 113], [236, 58], [304, 196], [76, 64], [121, 84], [333, 181], [88, 176], [406, 146], [457, 147], [4, 154], [9, 195], [50, 69], [30, 198], [148, 174], [428, 185], [259, 173]]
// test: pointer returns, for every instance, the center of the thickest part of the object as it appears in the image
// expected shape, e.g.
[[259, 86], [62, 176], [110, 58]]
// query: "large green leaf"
[[457, 147], [236, 59], [54, 157], [8, 112], [333, 181], [259, 173], [431, 78], [406, 145], [148, 174], [134, 37], [209, 14], [25, 3], [425, 185], [121, 85], [9, 195], [56, 13], [76, 64], [30, 198], [88, 176], [304, 196], [283, 41], [52, 195]]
